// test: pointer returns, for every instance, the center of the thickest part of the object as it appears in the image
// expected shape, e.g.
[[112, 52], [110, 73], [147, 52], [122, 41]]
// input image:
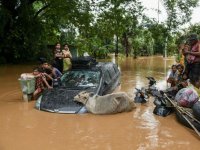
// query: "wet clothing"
[[58, 61], [194, 71], [191, 58], [67, 64], [180, 77], [39, 84], [67, 60], [49, 72], [173, 75], [172, 78], [57, 73], [193, 64]]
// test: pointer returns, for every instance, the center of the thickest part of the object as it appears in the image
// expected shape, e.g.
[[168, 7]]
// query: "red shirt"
[[191, 58]]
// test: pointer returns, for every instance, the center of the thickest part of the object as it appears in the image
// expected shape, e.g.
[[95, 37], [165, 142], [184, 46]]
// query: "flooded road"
[[23, 127]]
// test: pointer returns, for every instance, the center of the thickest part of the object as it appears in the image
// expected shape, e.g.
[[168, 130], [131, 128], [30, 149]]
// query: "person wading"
[[193, 58]]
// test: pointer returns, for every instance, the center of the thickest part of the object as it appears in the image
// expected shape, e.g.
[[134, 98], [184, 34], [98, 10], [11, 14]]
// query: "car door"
[[106, 82], [116, 78], [114, 74]]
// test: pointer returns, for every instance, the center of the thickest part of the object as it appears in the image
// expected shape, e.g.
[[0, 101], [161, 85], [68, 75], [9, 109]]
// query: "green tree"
[[158, 32], [29, 25], [179, 13]]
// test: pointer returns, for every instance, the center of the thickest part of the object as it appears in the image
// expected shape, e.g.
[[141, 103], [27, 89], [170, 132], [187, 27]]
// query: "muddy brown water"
[[23, 127]]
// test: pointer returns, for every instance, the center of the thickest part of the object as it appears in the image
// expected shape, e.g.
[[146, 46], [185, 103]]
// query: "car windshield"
[[74, 79]]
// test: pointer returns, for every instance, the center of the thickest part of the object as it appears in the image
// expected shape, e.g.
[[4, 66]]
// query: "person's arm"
[[67, 54], [59, 74], [54, 73], [48, 76], [176, 77], [184, 84], [70, 55], [59, 55], [197, 53], [46, 83], [185, 49]]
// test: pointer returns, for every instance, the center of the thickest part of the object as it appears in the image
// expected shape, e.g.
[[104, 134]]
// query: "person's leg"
[[194, 72], [171, 81], [36, 93], [190, 72], [61, 65]]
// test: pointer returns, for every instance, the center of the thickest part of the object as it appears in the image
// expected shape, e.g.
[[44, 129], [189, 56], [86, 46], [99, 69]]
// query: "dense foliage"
[[29, 27]]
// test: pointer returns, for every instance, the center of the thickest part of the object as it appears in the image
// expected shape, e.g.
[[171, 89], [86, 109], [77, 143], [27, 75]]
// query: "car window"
[[81, 78]]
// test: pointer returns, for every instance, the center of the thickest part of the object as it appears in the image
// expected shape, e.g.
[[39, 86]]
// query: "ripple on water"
[[10, 96], [150, 124]]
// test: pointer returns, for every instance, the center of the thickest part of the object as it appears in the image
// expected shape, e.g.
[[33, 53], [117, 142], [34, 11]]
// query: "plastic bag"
[[27, 83], [162, 111], [186, 97], [25, 76]]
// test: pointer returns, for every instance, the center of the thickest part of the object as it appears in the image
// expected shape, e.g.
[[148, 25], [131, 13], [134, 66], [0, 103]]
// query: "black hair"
[[192, 38], [48, 70], [57, 43], [173, 66], [53, 64], [66, 45], [42, 60], [37, 69], [179, 65]]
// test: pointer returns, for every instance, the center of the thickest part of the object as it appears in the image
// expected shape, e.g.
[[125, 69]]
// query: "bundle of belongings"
[[186, 97]]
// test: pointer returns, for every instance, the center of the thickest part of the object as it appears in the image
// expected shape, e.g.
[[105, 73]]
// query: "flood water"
[[23, 127]]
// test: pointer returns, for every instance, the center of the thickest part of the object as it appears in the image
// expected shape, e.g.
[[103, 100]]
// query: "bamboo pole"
[[181, 112], [188, 114]]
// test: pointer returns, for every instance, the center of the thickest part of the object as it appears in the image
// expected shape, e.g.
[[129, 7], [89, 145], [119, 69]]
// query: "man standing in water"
[[193, 58]]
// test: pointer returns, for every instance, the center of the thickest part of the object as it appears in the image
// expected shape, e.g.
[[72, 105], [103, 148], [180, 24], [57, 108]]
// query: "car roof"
[[100, 66]]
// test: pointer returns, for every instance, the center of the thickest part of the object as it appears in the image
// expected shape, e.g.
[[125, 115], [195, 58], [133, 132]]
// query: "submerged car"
[[98, 77]]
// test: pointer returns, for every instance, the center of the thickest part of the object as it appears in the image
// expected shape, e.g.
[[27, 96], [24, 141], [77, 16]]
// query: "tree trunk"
[[165, 48], [125, 43], [116, 46], [135, 53]]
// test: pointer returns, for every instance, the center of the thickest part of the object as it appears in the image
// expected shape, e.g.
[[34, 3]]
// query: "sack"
[[26, 76], [186, 97]]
